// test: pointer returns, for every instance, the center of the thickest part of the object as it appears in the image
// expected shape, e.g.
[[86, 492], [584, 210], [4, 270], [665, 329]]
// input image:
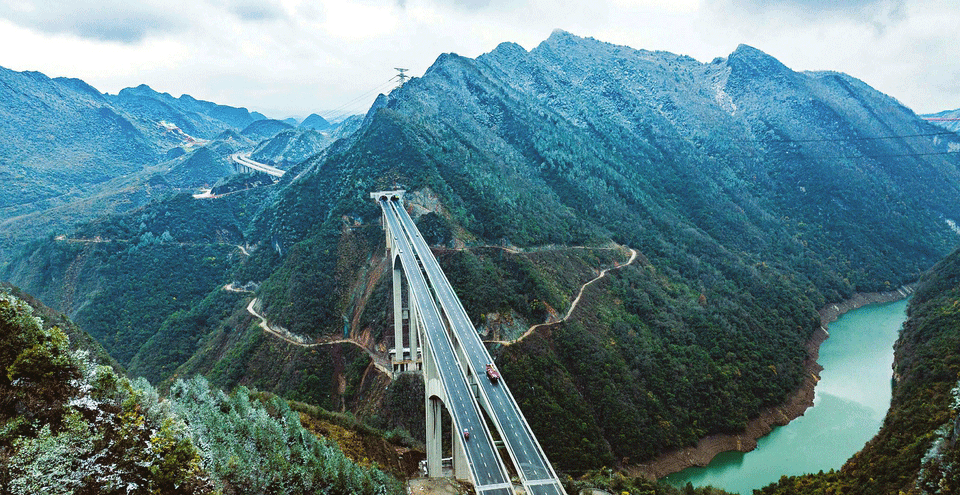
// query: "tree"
[[37, 374]]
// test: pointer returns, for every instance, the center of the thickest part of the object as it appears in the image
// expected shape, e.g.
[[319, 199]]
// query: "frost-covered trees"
[[260, 448], [70, 426]]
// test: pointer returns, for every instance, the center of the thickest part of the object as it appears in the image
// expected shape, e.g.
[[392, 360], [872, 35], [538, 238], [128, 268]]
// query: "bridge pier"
[[397, 311], [434, 400], [434, 442], [461, 470]]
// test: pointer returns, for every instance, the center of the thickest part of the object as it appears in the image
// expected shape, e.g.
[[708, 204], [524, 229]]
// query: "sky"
[[296, 57]]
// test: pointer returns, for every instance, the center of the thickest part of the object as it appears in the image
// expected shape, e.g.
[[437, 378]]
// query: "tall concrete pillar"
[[413, 326], [434, 409], [434, 437], [397, 313], [461, 470]]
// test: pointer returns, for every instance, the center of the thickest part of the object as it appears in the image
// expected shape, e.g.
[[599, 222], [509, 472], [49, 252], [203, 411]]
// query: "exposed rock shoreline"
[[769, 418]]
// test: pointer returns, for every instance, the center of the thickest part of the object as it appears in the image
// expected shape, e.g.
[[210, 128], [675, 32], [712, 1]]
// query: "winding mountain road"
[[573, 305], [297, 340]]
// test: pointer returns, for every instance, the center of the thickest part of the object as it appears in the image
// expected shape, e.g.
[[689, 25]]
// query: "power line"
[[402, 77], [887, 155], [867, 138], [338, 111], [801, 156]]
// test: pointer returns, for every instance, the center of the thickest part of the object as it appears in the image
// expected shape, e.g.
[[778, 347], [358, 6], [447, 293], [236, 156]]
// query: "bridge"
[[243, 163], [444, 344]]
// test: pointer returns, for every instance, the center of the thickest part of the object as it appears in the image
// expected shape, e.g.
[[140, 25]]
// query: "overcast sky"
[[294, 57]]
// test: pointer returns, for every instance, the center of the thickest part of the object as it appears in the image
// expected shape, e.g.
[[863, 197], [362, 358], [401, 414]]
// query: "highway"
[[244, 160], [535, 471], [486, 469]]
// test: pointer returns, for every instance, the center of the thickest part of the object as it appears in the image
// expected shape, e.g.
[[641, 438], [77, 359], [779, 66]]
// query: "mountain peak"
[[560, 37], [755, 63], [315, 122], [80, 86], [141, 90], [561, 34], [509, 48]]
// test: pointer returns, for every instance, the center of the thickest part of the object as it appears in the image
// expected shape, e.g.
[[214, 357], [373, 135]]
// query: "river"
[[852, 398]]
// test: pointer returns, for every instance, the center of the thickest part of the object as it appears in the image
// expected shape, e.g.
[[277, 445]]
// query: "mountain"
[[194, 117], [290, 147], [753, 195], [264, 129], [203, 167], [315, 122], [71, 153], [952, 125], [61, 134]]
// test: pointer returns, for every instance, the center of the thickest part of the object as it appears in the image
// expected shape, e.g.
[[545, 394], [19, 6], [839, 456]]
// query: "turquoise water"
[[851, 400]]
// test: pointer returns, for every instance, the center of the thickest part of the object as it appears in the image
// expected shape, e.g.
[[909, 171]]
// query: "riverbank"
[[795, 406]]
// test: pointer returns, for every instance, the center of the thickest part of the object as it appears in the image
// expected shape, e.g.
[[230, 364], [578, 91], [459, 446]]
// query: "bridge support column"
[[413, 328], [397, 314], [434, 437], [461, 470], [433, 396]]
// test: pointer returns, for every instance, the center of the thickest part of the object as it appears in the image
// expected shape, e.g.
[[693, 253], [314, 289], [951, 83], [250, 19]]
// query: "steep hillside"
[[120, 277], [753, 194], [916, 451]]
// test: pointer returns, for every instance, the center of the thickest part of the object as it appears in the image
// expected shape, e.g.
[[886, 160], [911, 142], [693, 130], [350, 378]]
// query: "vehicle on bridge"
[[492, 373], [466, 434]]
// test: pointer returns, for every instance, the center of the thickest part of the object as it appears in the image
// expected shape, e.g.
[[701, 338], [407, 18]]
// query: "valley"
[[648, 246]]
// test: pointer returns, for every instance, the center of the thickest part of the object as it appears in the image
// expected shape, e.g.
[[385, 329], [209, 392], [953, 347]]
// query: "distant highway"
[[535, 471], [243, 160]]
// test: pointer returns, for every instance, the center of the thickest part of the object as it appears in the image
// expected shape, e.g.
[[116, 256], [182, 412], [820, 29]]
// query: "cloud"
[[878, 13], [254, 10], [130, 22], [113, 20], [468, 4]]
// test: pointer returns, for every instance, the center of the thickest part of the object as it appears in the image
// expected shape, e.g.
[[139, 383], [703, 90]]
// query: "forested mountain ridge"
[[755, 195], [198, 118]]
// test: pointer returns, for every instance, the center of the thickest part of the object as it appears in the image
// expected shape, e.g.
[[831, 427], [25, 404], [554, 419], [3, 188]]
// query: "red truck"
[[492, 373]]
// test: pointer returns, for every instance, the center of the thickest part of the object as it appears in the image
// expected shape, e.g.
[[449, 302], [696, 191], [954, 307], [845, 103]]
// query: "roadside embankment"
[[708, 447]]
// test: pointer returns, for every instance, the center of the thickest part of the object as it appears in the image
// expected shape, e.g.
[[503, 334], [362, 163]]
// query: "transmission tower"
[[402, 76]]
